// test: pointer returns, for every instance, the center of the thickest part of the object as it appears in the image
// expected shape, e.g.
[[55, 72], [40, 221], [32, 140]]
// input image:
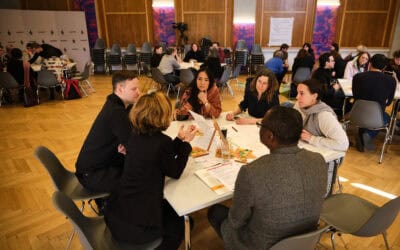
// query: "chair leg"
[[386, 241], [82, 89], [344, 243], [90, 86], [229, 88], [387, 139], [333, 240], [70, 239]]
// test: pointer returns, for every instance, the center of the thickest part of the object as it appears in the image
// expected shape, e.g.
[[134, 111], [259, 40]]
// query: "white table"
[[189, 194]]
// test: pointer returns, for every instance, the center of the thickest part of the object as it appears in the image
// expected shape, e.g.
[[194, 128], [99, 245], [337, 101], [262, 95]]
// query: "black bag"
[[30, 97], [71, 90]]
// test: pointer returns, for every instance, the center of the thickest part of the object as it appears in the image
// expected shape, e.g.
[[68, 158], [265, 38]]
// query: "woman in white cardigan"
[[321, 127]]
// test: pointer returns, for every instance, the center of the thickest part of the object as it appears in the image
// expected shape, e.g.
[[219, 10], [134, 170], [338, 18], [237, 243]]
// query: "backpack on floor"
[[72, 90]]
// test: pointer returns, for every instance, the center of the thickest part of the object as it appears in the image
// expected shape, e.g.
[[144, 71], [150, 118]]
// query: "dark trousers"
[[172, 78], [101, 180], [173, 228], [216, 215]]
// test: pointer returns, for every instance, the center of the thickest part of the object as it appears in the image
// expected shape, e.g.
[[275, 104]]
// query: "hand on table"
[[121, 149]]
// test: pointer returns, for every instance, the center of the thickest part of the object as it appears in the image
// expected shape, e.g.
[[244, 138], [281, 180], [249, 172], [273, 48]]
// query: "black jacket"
[[111, 128]]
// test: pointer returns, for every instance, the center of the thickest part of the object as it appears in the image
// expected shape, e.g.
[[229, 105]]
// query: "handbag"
[[30, 97]]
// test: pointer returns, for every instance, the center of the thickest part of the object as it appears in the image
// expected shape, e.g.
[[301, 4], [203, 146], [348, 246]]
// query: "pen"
[[234, 129]]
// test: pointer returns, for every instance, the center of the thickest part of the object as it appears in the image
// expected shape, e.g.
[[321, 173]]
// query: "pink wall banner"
[[324, 28], [244, 31], [163, 19]]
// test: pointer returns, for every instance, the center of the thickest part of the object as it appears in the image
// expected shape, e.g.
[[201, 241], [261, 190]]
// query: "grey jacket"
[[276, 196]]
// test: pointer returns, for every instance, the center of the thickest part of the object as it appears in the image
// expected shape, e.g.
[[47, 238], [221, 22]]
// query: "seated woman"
[[136, 212], [212, 62], [156, 57], [260, 95], [194, 54], [357, 65], [321, 127], [202, 96]]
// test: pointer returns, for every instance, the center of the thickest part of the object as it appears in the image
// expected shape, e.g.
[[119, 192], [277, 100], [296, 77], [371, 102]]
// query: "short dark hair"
[[314, 86], [396, 54], [121, 76], [336, 46], [323, 59], [284, 46], [16, 53], [378, 61], [170, 50], [285, 124]]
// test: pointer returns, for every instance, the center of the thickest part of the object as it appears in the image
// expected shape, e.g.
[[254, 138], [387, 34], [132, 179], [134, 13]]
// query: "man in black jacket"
[[101, 159], [373, 85], [45, 50]]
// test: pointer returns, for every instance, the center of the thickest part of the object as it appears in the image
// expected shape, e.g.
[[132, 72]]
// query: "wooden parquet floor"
[[28, 219]]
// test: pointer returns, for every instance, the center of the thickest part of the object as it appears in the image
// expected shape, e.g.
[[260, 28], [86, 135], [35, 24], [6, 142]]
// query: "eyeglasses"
[[259, 124]]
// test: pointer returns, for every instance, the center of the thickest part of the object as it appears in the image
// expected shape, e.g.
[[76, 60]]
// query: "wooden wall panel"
[[125, 21], [367, 22], [209, 18], [125, 5], [303, 12], [126, 28], [47, 5]]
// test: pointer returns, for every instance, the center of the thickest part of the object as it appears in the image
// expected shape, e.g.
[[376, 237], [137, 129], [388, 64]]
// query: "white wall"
[[65, 30]]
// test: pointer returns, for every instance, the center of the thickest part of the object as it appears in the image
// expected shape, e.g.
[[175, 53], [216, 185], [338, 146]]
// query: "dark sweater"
[[374, 86], [134, 212], [111, 128]]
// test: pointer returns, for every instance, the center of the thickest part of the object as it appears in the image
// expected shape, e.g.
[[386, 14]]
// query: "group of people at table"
[[19, 64]]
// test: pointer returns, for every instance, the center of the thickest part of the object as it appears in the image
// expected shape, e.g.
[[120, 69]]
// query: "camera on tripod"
[[180, 26]]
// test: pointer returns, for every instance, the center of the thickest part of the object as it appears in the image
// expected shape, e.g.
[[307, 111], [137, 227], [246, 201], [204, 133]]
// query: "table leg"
[[187, 232]]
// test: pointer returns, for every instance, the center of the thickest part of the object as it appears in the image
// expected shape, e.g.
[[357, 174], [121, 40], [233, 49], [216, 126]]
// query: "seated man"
[[373, 85], [101, 159], [279, 194], [168, 64]]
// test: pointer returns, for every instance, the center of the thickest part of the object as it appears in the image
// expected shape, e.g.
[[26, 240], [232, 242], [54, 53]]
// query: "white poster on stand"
[[281, 30], [65, 30]]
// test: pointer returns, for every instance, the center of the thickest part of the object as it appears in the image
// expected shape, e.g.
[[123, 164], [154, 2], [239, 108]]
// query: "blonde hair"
[[151, 114]]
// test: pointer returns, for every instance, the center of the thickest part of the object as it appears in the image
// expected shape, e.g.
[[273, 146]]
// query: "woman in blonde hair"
[[260, 95], [137, 212]]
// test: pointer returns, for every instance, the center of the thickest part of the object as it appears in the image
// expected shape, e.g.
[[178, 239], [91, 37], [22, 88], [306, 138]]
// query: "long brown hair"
[[272, 84]]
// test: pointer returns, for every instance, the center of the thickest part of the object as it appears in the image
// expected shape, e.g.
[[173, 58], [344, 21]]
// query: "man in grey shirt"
[[279, 194], [168, 64]]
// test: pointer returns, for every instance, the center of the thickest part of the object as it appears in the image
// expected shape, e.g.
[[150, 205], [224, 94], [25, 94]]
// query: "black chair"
[[256, 58], [99, 57], [160, 79], [130, 58], [145, 58], [7, 82], [115, 58]]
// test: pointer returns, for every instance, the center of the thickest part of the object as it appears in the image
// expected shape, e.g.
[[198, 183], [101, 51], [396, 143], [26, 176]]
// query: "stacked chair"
[[256, 58], [130, 58], [115, 58], [241, 53], [145, 58], [98, 56]]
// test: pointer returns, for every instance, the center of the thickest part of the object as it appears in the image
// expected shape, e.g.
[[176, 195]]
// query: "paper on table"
[[211, 181], [226, 173], [207, 130]]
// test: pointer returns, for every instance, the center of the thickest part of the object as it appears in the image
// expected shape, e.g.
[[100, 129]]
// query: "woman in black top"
[[137, 212], [194, 53], [156, 57], [260, 95]]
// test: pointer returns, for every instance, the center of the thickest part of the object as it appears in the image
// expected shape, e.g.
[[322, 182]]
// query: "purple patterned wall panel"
[[244, 31], [90, 12], [324, 28], [163, 17]]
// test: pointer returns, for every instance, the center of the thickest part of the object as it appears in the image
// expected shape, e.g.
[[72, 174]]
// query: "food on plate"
[[243, 154], [197, 152]]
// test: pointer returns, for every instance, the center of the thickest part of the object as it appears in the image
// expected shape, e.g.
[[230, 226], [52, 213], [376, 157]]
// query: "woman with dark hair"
[[321, 126], [20, 70], [309, 49], [156, 57], [357, 65], [137, 212], [194, 54], [202, 96], [212, 62], [260, 95]]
